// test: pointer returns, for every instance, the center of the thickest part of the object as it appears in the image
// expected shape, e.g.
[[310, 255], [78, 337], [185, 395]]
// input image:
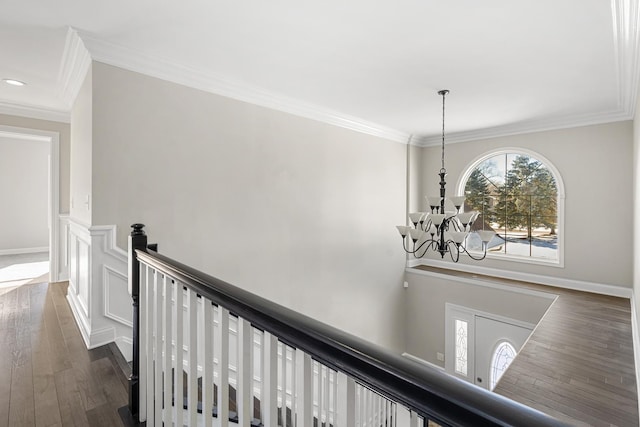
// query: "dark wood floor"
[[578, 364], [47, 376]]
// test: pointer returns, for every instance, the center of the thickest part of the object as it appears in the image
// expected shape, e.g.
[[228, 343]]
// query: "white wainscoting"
[[63, 248], [97, 294]]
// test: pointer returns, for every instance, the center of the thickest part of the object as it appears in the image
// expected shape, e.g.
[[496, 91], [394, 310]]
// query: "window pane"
[[516, 196], [502, 358], [461, 347]]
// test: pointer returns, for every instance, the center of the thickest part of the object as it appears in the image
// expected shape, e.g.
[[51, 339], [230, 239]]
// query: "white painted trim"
[[579, 285], [626, 39], [484, 283], [63, 247], [464, 177], [100, 337], [635, 335], [53, 138], [493, 316], [125, 345], [73, 67], [24, 251], [109, 246], [550, 124], [81, 320], [414, 262], [422, 361], [106, 272], [35, 112], [165, 69]]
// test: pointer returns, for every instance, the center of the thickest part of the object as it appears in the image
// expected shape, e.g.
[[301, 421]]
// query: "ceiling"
[[511, 67]]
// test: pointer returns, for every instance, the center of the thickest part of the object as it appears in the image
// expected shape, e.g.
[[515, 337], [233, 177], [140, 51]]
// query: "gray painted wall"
[[296, 210], [426, 297], [596, 165], [81, 152]]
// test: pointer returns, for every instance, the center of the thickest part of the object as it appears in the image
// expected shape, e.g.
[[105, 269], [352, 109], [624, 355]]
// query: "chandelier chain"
[[444, 93]]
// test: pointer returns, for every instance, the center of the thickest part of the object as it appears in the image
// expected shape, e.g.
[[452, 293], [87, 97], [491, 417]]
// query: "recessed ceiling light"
[[14, 82]]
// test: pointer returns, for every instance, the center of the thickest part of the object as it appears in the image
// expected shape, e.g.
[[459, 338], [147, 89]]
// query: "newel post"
[[137, 240]]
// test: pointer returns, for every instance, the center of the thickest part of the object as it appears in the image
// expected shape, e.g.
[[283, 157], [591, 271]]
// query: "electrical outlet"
[[406, 284], [440, 356]]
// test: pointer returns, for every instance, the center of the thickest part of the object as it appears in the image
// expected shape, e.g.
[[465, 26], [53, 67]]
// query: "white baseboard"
[[81, 320], [125, 345], [23, 251], [578, 285]]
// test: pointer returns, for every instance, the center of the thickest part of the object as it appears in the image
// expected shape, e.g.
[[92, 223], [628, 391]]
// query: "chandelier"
[[439, 230]]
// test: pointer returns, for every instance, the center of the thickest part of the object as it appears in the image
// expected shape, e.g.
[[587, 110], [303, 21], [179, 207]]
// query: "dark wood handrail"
[[427, 391]]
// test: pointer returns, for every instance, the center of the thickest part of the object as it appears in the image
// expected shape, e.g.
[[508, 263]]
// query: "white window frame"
[[464, 177]]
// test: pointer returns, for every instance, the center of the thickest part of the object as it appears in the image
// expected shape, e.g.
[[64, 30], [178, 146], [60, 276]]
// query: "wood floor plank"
[[59, 352], [21, 403], [578, 363], [47, 410], [47, 376], [70, 403], [7, 344]]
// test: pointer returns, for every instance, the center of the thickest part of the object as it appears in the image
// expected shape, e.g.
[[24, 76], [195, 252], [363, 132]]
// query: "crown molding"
[[82, 47], [165, 69], [626, 39], [34, 112], [557, 123], [626, 18], [73, 68]]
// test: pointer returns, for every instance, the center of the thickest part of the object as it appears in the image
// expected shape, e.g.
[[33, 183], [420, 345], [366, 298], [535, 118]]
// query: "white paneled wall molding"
[[97, 294], [196, 337], [63, 248]]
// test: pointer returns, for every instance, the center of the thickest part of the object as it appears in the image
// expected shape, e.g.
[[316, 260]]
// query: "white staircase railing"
[[209, 354]]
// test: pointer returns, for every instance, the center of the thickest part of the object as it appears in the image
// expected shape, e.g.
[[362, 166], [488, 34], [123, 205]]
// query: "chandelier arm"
[[416, 249], [451, 243], [484, 253]]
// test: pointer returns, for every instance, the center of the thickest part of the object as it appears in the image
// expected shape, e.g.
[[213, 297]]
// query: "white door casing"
[[484, 332]]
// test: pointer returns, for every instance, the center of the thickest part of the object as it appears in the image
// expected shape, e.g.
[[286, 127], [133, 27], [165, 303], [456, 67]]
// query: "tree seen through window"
[[517, 197]]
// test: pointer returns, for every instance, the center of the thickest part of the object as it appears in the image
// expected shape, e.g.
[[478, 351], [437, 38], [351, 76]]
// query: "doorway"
[[480, 346], [52, 141]]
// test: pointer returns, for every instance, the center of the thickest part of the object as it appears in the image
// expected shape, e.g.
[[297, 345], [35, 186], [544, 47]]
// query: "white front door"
[[479, 346], [496, 345]]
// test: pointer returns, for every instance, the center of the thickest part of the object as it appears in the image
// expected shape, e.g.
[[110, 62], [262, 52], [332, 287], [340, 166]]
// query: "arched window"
[[519, 195], [502, 358]]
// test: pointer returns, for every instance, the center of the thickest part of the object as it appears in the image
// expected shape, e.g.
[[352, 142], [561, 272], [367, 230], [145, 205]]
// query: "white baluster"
[[157, 346], [345, 415], [283, 368], [244, 392], [269, 396], [304, 389], [207, 362], [334, 398], [222, 351], [143, 333], [414, 419], [319, 393], [178, 379], [167, 350], [327, 387], [149, 343], [192, 388]]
